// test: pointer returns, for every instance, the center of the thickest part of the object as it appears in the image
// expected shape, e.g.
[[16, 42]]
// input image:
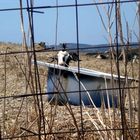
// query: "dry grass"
[[18, 116]]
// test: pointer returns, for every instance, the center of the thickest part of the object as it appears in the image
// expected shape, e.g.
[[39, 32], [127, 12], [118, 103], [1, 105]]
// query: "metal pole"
[[124, 132], [77, 39]]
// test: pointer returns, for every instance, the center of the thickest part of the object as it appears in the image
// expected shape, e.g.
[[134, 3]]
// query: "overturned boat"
[[81, 86]]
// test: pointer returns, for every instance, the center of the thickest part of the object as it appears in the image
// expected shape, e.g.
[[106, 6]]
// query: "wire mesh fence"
[[47, 101]]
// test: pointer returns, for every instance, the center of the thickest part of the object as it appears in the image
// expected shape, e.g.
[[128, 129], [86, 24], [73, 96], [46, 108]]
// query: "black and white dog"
[[64, 57]]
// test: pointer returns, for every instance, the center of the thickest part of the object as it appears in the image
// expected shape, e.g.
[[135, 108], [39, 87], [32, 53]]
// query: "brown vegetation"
[[19, 115]]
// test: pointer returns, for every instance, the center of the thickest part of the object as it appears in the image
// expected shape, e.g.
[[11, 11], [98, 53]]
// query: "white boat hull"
[[87, 91], [82, 86]]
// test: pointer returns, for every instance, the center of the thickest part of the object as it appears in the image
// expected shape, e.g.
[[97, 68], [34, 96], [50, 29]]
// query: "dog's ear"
[[64, 47]]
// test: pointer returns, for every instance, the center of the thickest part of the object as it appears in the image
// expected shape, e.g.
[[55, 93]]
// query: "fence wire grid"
[[28, 114]]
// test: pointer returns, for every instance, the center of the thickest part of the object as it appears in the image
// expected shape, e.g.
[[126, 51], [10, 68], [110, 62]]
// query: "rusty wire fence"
[[26, 112]]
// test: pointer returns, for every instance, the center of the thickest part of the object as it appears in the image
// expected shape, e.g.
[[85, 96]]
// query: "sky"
[[91, 30]]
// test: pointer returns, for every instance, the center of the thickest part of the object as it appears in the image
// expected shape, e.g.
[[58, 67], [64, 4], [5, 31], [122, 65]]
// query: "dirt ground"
[[21, 116]]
